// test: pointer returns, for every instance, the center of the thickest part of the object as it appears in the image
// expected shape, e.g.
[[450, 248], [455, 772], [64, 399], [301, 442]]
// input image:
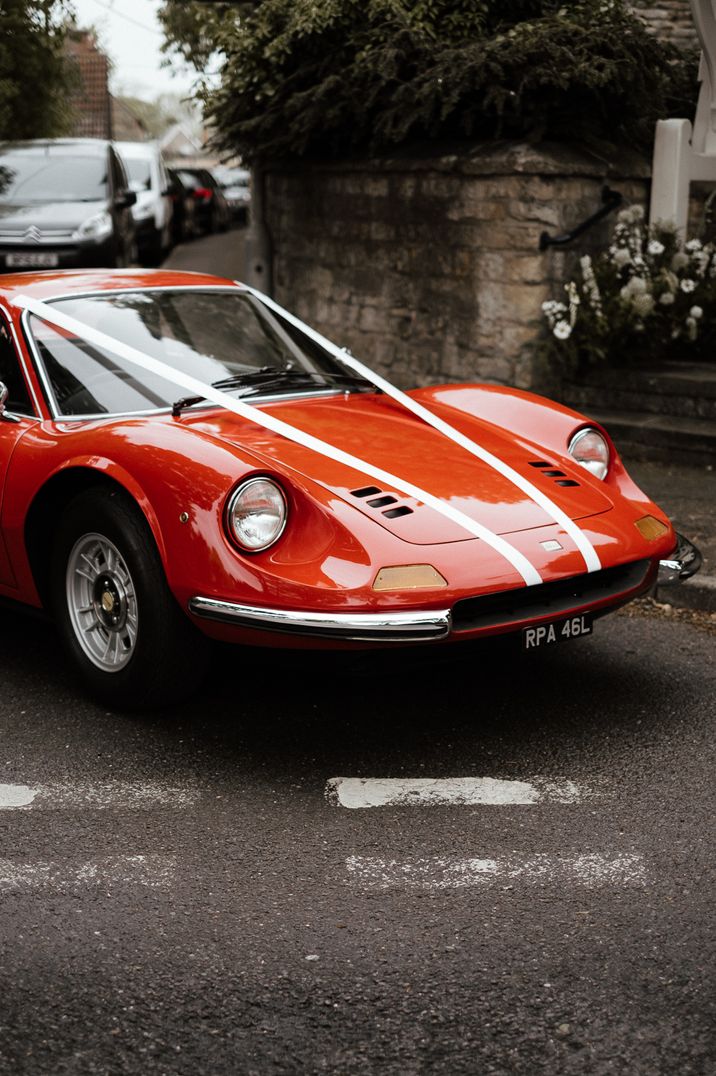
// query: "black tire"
[[168, 656]]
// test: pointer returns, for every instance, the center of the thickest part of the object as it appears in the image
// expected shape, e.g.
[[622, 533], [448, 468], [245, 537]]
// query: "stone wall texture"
[[430, 269], [670, 20]]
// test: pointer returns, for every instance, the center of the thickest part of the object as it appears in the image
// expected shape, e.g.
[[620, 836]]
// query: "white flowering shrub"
[[648, 297]]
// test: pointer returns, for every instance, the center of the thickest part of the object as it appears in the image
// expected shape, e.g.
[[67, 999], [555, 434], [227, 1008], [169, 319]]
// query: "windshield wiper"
[[268, 377]]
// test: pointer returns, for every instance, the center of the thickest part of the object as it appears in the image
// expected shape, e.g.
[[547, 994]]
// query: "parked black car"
[[183, 208], [212, 212], [64, 203], [235, 184]]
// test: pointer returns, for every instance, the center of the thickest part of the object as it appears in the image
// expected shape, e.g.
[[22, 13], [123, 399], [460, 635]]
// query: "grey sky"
[[130, 33]]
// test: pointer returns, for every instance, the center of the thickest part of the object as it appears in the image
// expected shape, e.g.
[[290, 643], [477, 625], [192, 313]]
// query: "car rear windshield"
[[211, 335], [38, 176]]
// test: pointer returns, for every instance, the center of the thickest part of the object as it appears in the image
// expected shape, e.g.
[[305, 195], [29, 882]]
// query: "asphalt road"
[[179, 896], [223, 254]]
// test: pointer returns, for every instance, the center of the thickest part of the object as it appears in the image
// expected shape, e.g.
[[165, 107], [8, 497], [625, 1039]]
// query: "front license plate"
[[31, 261], [557, 631]]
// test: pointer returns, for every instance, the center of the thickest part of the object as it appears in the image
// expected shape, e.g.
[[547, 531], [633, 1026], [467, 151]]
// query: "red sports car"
[[181, 458]]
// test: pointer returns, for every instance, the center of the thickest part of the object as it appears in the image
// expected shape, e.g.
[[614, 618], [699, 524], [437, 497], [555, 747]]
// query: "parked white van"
[[153, 209]]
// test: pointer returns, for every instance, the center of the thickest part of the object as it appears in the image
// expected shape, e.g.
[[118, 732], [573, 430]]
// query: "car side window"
[[11, 375]]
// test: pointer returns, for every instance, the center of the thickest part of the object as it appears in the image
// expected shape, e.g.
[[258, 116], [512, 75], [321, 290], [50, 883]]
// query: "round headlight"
[[256, 514], [590, 449]]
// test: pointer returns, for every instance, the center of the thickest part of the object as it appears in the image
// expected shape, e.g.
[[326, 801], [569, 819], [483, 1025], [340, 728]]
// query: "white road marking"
[[354, 792], [152, 871], [16, 796], [59, 794], [449, 872]]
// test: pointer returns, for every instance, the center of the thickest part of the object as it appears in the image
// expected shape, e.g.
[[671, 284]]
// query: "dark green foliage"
[[340, 77], [35, 79]]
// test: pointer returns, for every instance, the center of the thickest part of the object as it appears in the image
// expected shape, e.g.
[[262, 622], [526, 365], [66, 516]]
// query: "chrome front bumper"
[[411, 627], [427, 625], [684, 562]]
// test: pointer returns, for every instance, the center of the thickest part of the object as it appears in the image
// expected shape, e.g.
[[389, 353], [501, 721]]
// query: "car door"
[[17, 418]]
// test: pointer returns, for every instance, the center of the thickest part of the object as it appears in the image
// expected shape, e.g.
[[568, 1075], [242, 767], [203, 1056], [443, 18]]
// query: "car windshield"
[[223, 337], [139, 172], [41, 175]]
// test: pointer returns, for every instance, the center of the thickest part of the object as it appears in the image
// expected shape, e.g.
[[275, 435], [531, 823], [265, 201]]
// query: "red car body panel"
[[335, 543]]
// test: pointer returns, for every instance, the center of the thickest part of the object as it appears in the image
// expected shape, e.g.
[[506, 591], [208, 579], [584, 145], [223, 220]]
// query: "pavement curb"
[[698, 593]]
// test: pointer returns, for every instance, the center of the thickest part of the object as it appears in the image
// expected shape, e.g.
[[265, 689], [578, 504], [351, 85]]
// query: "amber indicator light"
[[408, 577], [650, 528]]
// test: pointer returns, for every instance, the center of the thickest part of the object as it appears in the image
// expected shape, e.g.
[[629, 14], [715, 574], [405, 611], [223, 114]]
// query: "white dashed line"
[[151, 871], [437, 872], [59, 794], [355, 792]]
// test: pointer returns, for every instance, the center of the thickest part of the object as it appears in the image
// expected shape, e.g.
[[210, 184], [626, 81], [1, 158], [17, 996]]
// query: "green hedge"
[[333, 78]]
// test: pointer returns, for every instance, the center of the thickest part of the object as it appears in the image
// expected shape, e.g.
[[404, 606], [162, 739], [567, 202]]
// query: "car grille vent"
[[540, 463], [567, 482], [551, 599], [381, 501]]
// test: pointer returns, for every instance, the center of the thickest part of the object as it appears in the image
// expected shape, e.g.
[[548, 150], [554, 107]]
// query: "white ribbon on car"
[[589, 553], [519, 562]]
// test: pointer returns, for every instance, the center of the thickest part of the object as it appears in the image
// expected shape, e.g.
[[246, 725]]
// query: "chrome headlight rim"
[[574, 441], [240, 489]]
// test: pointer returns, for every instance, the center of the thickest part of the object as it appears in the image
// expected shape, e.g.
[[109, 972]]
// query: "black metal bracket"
[[611, 199]]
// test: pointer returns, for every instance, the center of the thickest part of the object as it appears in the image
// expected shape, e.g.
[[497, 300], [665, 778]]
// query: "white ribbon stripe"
[[589, 553], [46, 312]]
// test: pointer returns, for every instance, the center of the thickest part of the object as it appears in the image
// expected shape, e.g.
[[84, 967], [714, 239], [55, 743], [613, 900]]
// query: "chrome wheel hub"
[[102, 602]]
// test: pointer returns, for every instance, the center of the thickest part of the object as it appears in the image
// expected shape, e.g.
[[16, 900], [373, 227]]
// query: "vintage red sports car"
[[181, 458]]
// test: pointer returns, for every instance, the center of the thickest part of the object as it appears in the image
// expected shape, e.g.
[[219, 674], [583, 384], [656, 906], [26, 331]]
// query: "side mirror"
[[125, 199]]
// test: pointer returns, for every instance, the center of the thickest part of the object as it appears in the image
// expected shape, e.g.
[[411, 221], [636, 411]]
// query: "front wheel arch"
[[45, 512], [103, 550]]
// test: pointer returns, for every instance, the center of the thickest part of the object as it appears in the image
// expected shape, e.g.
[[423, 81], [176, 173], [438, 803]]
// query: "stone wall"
[[430, 269], [670, 20]]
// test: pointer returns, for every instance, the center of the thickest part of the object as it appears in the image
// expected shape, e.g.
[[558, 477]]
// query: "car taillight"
[[203, 192]]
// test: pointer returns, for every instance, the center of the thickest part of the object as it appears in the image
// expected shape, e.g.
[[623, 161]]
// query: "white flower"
[[586, 264], [688, 285], [562, 330], [621, 257], [636, 286], [691, 328], [692, 245], [643, 305], [702, 261], [666, 299], [696, 312], [655, 247], [633, 214]]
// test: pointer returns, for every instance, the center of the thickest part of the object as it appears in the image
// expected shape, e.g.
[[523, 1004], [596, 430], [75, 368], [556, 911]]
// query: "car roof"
[[97, 146], [138, 149], [52, 285]]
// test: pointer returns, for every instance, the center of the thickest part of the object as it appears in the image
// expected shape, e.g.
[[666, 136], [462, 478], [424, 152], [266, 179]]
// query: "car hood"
[[60, 215], [384, 434]]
